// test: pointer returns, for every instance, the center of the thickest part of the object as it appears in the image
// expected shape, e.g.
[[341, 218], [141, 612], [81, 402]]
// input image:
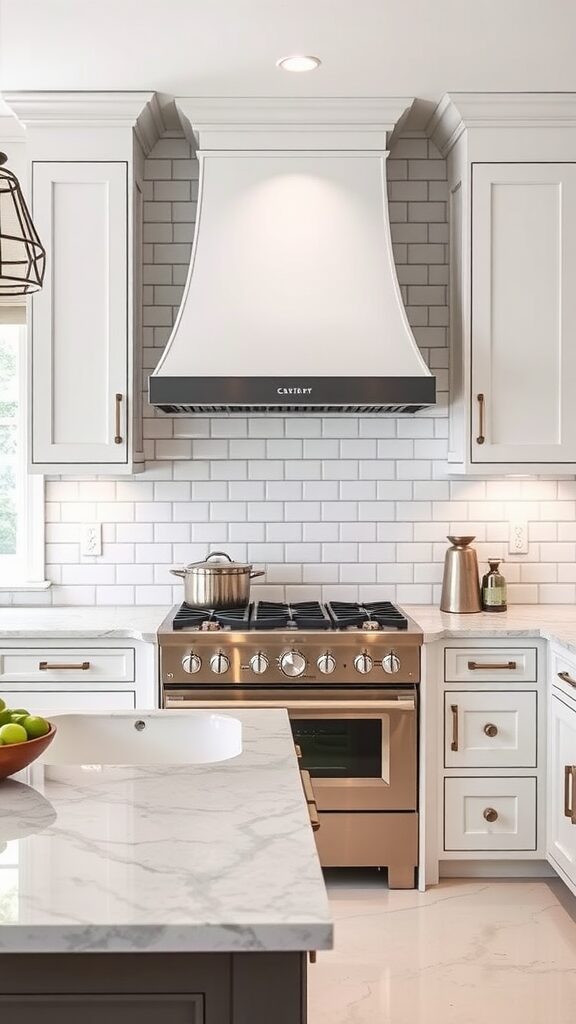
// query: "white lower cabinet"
[[49, 701], [562, 787], [490, 814]]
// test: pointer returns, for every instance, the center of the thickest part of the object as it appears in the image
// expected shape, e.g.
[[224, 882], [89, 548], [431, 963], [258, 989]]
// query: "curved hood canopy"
[[292, 299]]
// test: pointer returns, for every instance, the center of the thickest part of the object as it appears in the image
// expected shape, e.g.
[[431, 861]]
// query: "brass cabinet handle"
[[569, 788], [490, 729], [47, 666], [567, 678], [454, 710], [508, 665], [298, 750], [490, 814], [480, 439], [310, 800], [118, 437]]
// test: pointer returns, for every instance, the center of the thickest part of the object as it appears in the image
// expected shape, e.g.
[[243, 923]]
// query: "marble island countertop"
[[141, 622], [216, 857]]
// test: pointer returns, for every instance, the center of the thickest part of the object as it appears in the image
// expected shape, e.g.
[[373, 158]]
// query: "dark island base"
[[153, 988]]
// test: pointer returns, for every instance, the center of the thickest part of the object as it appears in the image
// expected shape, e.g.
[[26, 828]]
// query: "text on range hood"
[[292, 299]]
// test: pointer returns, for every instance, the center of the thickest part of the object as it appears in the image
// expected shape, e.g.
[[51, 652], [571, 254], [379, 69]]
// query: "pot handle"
[[178, 572], [257, 572], [214, 554]]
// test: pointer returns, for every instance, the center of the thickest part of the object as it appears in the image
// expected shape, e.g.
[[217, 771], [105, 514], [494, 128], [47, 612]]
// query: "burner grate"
[[298, 615], [188, 617], [347, 614]]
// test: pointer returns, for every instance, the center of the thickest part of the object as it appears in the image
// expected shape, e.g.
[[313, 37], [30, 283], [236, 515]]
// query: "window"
[[21, 496]]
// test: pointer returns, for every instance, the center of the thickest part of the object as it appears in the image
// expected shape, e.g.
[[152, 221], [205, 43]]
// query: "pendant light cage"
[[22, 255]]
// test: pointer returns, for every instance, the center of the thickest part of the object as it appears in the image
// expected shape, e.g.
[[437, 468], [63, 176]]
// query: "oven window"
[[340, 748]]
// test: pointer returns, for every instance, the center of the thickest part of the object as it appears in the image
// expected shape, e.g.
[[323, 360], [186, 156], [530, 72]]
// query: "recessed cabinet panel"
[[490, 664], [79, 319], [47, 701], [490, 814], [523, 313], [490, 729], [561, 786]]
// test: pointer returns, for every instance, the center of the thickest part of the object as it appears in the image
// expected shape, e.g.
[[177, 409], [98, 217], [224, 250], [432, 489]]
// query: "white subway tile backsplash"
[[333, 506]]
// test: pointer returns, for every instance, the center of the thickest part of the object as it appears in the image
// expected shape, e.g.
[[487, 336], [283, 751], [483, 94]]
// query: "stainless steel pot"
[[220, 584]]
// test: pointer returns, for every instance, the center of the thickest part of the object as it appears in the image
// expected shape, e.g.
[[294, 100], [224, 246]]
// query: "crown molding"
[[458, 112], [80, 108], [383, 112], [288, 122]]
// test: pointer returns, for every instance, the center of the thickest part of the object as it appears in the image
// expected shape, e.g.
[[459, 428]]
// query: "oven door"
[[361, 749]]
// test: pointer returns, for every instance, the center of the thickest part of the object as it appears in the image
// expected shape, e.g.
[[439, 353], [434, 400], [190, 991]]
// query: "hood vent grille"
[[358, 409]]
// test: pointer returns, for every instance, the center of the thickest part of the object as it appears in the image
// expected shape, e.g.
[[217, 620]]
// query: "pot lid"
[[218, 562]]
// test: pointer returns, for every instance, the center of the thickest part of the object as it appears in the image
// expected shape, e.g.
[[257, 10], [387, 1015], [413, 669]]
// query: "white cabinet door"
[[80, 317], [48, 701], [523, 313], [490, 814], [562, 787]]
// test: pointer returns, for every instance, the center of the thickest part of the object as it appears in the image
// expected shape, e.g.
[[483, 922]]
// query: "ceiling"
[[416, 48]]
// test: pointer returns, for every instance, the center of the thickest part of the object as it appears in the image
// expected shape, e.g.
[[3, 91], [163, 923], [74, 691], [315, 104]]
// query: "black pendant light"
[[22, 255]]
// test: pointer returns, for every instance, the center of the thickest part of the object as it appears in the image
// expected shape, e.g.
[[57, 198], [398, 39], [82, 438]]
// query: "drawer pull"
[[490, 814], [490, 729], [569, 783], [454, 710], [48, 666], [310, 800], [496, 665], [298, 750], [567, 678]]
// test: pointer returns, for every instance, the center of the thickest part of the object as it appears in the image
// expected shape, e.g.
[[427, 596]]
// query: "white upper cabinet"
[[80, 324], [512, 178], [86, 155]]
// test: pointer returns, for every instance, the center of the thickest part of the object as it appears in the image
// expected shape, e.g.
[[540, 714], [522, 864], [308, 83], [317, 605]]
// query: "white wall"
[[330, 505]]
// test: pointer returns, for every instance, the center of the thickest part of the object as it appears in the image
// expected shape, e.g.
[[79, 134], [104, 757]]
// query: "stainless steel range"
[[348, 674]]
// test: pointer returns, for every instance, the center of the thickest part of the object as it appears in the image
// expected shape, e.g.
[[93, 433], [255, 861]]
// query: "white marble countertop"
[[556, 622], [132, 622], [214, 857], [141, 622]]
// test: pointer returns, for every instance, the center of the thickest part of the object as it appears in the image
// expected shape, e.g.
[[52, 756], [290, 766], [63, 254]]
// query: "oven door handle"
[[364, 707]]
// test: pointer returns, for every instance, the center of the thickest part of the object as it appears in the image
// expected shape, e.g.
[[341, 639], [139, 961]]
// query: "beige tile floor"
[[465, 952]]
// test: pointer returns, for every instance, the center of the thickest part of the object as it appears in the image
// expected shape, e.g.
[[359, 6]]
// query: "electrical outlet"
[[91, 542], [518, 538]]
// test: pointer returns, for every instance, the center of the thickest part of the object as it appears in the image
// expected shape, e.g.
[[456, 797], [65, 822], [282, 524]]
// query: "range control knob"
[[219, 663], [363, 663], [326, 663], [292, 663], [191, 663], [391, 663], [259, 663]]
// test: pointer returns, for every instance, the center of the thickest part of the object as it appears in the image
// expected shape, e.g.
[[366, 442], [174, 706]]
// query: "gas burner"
[[371, 615], [270, 615], [208, 620]]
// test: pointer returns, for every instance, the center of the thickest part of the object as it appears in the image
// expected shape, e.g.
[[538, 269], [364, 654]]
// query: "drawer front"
[[490, 729], [49, 701], [66, 664], [490, 814], [490, 664], [563, 668]]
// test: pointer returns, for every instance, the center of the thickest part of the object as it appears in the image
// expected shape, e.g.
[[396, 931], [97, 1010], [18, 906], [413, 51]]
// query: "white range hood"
[[292, 299]]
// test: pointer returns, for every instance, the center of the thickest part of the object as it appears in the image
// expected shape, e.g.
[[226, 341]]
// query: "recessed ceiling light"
[[298, 63]]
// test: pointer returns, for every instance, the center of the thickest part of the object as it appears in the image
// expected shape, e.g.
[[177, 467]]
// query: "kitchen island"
[[173, 893]]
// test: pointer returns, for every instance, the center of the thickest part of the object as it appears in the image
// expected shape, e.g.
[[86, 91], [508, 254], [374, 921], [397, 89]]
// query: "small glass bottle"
[[494, 588]]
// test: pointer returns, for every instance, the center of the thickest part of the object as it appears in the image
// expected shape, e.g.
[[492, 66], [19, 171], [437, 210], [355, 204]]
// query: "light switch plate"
[[91, 540], [518, 538]]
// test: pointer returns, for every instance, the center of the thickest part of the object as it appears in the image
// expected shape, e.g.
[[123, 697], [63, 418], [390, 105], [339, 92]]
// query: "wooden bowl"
[[16, 756]]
